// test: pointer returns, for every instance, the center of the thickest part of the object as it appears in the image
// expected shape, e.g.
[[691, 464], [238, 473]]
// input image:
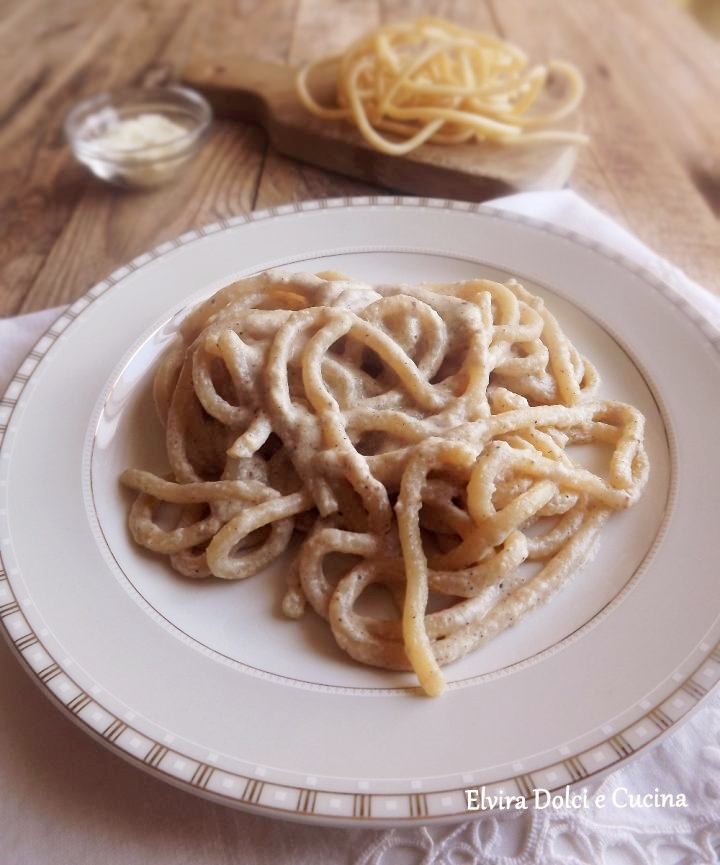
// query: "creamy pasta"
[[416, 439]]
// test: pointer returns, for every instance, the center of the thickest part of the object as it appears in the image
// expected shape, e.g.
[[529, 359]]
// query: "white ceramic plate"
[[207, 686]]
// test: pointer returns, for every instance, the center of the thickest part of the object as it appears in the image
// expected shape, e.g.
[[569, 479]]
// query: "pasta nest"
[[430, 80]]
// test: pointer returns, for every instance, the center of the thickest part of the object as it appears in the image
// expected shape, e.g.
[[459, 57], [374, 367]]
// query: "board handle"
[[248, 89]]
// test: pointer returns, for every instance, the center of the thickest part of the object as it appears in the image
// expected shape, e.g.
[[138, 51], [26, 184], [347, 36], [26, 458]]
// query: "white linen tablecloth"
[[65, 800]]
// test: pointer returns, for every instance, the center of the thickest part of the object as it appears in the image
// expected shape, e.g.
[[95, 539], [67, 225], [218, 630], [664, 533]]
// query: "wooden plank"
[[630, 169], [683, 87], [652, 111], [37, 180], [112, 46], [221, 182], [230, 28], [479, 14], [332, 25], [109, 227], [326, 27]]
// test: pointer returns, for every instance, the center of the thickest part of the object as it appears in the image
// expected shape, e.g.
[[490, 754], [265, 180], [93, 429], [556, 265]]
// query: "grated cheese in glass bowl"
[[138, 138]]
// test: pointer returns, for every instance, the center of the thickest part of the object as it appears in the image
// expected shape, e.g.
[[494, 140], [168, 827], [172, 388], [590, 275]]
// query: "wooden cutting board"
[[263, 93]]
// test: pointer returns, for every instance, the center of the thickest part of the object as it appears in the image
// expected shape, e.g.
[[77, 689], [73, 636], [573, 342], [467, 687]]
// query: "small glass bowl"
[[138, 138]]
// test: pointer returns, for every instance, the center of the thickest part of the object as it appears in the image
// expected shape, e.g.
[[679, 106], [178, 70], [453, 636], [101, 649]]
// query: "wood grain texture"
[[635, 167], [653, 90]]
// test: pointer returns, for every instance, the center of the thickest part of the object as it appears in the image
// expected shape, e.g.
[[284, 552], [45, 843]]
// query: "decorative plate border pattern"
[[313, 801]]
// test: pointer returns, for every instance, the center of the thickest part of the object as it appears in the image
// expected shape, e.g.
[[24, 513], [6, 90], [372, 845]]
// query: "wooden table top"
[[653, 162]]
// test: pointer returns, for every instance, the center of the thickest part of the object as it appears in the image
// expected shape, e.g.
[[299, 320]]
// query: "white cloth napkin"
[[65, 799]]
